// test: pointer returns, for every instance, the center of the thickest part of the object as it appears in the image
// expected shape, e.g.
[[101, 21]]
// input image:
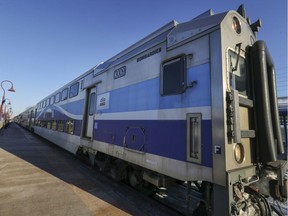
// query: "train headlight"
[[239, 153], [236, 25]]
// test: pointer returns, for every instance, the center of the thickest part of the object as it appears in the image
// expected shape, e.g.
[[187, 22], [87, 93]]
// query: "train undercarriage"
[[250, 195]]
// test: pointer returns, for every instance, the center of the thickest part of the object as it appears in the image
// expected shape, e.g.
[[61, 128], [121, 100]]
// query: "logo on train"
[[120, 72], [103, 101]]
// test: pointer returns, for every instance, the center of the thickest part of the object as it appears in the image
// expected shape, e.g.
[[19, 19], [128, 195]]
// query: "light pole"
[[11, 89], [7, 108]]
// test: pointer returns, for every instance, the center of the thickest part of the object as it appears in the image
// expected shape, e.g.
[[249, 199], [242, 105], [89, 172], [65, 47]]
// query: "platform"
[[39, 178], [26, 189]]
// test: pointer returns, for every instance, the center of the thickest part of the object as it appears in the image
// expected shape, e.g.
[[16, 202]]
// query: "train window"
[[69, 127], [238, 78], [92, 104], [48, 102], [53, 125], [173, 76], [194, 150], [57, 97], [60, 126], [52, 99], [74, 90], [48, 125], [64, 95], [43, 123]]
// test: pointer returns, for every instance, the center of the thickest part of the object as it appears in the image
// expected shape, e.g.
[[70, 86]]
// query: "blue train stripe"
[[163, 138], [146, 95]]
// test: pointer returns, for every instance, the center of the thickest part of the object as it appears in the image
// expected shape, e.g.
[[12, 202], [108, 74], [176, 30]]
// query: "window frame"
[[92, 104], [58, 96], [183, 75], [71, 94], [52, 99], [194, 137], [47, 101], [235, 78], [65, 93]]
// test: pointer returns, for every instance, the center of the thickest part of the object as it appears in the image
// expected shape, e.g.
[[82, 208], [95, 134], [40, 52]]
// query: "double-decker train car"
[[193, 102]]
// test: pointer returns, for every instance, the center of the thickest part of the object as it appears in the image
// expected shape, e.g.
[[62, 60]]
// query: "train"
[[191, 102]]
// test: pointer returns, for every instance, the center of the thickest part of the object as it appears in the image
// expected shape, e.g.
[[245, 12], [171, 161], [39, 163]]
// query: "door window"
[[238, 78], [92, 104]]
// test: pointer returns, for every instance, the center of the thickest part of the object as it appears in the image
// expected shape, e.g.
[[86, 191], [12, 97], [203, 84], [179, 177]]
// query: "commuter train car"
[[27, 118], [193, 102]]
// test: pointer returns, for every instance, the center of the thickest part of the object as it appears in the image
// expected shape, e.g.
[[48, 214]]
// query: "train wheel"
[[134, 178]]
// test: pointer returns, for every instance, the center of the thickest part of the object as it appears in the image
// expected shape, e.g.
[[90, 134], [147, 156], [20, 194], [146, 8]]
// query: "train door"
[[88, 117], [31, 119]]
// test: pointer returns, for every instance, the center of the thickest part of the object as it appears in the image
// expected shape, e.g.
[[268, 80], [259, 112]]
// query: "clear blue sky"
[[44, 44]]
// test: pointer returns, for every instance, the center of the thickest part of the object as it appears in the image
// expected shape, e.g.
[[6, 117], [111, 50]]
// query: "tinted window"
[[64, 94], [173, 76], [52, 99], [238, 73], [92, 104], [74, 90], [57, 97]]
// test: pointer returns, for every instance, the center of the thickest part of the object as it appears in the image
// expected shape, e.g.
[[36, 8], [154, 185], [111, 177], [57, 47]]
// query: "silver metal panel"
[[217, 101], [192, 29], [146, 43], [185, 171], [197, 51], [229, 42], [136, 71], [67, 141]]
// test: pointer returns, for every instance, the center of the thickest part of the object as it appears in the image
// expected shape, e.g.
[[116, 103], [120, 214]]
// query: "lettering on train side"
[[103, 101], [147, 55]]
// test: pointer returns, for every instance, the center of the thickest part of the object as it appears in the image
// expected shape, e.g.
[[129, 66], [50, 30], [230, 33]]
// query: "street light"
[[11, 89]]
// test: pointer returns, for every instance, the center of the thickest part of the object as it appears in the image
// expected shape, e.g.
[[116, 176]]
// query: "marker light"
[[239, 153], [236, 25]]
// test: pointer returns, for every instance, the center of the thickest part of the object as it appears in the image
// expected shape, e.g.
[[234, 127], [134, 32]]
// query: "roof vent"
[[205, 14]]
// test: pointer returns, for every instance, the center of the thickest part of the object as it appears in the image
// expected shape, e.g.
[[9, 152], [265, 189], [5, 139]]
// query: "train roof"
[[172, 32]]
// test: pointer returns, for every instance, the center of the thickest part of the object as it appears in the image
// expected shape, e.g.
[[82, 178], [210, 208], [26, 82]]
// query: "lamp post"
[[7, 108], [11, 89]]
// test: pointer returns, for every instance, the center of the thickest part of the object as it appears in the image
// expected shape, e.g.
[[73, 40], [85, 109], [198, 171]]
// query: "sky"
[[44, 44]]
